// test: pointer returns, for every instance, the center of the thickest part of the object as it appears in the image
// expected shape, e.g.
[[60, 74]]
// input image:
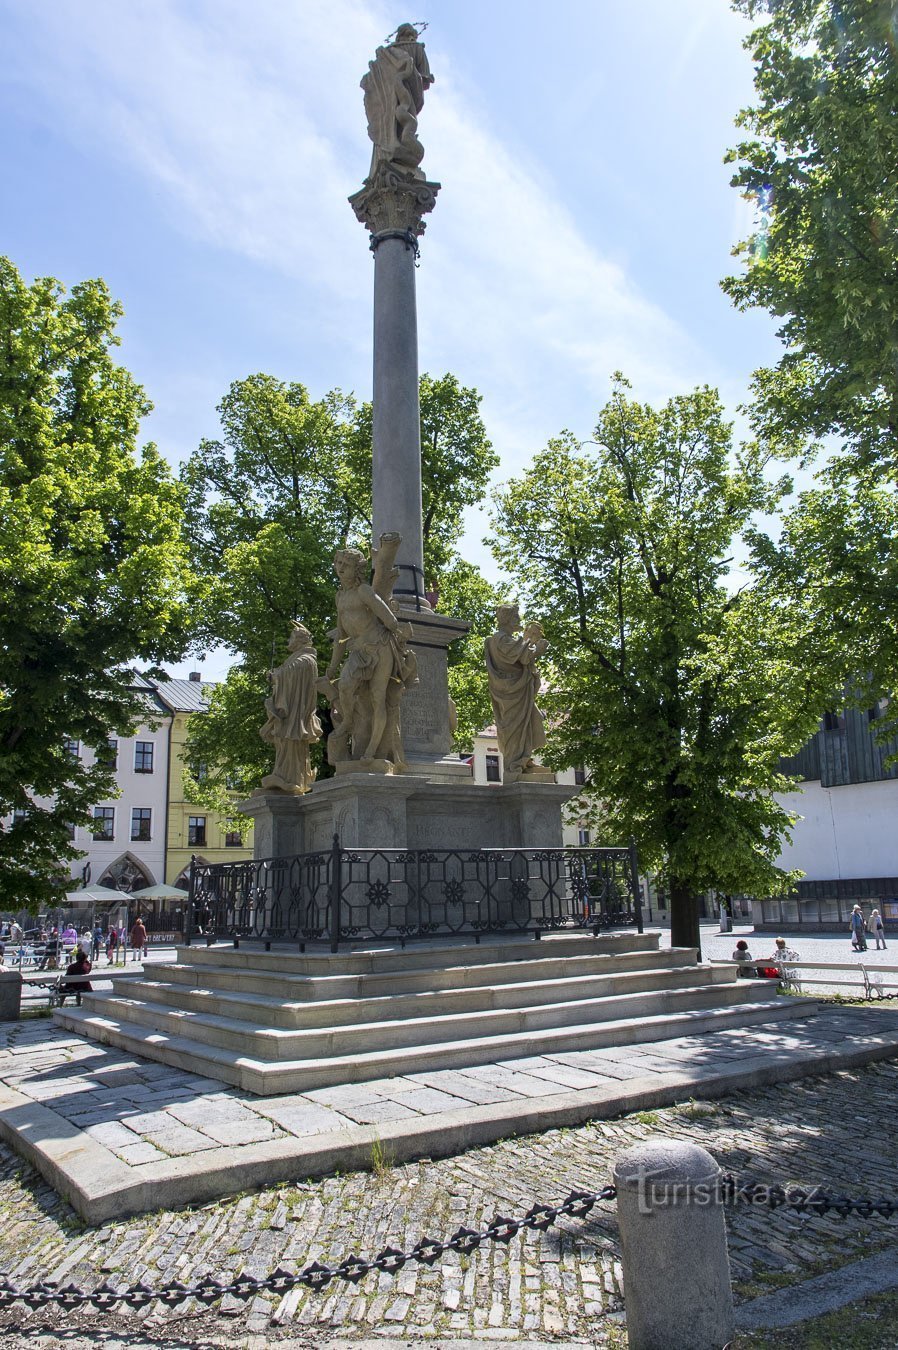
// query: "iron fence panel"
[[368, 894]]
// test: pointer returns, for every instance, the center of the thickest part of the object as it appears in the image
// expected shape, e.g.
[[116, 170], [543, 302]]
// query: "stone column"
[[392, 208], [396, 467]]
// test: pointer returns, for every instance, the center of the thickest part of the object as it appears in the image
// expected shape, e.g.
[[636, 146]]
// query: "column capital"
[[394, 203]]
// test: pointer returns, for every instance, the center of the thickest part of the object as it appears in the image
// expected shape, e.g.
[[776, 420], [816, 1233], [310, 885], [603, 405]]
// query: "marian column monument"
[[396, 783]]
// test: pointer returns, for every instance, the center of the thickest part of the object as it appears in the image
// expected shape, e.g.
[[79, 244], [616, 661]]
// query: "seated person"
[[745, 958], [80, 966], [783, 953]]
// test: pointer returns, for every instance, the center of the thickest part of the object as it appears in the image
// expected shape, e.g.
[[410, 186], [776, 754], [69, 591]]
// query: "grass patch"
[[382, 1159], [694, 1110], [645, 1117]]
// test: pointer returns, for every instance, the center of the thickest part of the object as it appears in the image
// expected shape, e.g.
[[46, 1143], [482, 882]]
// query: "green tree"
[[92, 568], [665, 683], [820, 162], [268, 504]]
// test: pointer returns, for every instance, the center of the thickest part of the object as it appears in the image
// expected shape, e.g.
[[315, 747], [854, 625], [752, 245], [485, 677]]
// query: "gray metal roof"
[[184, 695]]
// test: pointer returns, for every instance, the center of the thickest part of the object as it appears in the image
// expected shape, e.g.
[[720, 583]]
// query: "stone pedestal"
[[426, 730], [408, 811]]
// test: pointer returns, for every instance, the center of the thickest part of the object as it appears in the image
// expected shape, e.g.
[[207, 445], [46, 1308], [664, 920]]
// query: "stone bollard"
[[10, 995], [677, 1290]]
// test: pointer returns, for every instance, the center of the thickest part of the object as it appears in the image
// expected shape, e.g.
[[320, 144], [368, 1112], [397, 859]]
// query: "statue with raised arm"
[[293, 723], [372, 664], [514, 687], [394, 95]]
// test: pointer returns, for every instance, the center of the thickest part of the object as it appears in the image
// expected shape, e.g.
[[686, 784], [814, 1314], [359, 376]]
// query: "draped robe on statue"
[[394, 95], [514, 685], [292, 721]]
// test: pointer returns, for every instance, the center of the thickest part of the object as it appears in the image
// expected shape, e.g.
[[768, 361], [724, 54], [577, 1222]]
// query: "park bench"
[[52, 982]]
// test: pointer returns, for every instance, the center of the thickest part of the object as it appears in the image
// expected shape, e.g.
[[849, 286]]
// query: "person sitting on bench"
[[80, 967]]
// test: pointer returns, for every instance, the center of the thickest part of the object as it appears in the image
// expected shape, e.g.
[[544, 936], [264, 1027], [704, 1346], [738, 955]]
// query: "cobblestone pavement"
[[563, 1285]]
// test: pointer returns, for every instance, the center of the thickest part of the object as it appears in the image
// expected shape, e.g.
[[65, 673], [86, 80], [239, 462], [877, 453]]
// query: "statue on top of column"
[[514, 686], [372, 664], [394, 95]]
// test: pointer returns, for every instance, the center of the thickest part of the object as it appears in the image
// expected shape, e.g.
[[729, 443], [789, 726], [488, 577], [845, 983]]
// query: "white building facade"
[[845, 839]]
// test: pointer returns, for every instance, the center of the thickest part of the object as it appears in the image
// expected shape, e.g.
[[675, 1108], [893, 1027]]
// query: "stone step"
[[293, 1014], [281, 987], [273, 1043], [418, 955], [263, 1078]]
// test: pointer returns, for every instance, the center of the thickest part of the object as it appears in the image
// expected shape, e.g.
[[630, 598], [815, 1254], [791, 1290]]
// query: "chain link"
[[539, 1218], [814, 1201], [316, 1276]]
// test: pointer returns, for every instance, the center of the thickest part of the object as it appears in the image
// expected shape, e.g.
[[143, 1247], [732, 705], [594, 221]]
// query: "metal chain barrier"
[[428, 1251], [390, 1261], [796, 1198]]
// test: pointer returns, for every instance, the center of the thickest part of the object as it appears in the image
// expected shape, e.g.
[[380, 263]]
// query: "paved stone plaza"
[[563, 1286], [117, 1135]]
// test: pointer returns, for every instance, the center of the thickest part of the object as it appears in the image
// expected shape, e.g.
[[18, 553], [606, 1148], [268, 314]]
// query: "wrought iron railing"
[[366, 894]]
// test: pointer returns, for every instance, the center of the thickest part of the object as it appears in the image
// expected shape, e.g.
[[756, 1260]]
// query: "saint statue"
[[514, 686], [394, 95], [293, 723], [372, 664]]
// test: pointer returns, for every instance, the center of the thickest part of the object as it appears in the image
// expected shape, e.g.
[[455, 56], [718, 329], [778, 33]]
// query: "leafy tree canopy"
[[268, 505], [92, 568], [820, 161], [670, 687]]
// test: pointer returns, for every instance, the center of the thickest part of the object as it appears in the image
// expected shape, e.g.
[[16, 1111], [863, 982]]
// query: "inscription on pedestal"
[[425, 709]]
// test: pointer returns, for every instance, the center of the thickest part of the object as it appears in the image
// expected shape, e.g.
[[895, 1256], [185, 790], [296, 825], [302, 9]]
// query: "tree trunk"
[[684, 925]]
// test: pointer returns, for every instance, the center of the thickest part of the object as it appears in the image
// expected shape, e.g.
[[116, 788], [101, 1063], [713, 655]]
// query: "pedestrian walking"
[[878, 929], [858, 930], [138, 939]]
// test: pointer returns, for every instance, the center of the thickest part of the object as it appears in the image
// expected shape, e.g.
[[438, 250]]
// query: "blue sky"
[[198, 155]]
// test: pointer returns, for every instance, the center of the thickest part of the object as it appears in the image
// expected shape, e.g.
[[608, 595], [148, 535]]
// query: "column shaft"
[[396, 471]]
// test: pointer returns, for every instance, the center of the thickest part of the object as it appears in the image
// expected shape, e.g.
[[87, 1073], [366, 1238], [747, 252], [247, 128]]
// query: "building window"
[[200, 770], [583, 837], [70, 831], [232, 781], [233, 839], [141, 817], [72, 748], [104, 822], [579, 777], [143, 757], [108, 758], [493, 773], [833, 722], [19, 816], [196, 830]]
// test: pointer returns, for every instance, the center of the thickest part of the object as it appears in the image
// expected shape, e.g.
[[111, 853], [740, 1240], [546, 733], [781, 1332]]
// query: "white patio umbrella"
[[97, 895], [160, 892]]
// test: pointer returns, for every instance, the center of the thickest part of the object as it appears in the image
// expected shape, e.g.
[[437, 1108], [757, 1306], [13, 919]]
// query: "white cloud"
[[248, 121]]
